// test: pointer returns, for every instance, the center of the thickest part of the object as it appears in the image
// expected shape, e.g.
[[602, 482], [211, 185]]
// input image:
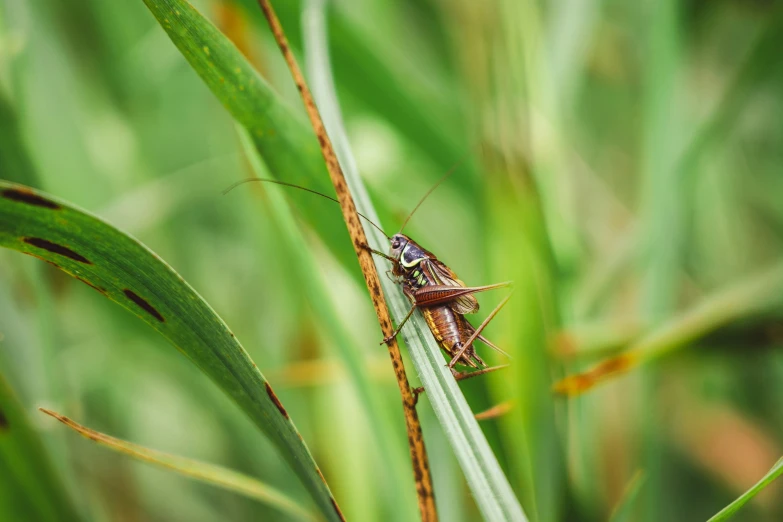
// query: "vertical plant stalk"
[[421, 470]]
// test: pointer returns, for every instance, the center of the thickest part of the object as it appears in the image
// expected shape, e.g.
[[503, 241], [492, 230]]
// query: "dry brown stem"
[[421, 470]]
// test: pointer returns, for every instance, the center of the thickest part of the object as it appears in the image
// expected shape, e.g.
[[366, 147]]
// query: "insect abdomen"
[[452, 330], [444, 324]]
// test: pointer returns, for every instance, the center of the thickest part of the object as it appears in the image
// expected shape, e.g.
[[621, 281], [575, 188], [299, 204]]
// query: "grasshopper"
[[444, 300], [431, 286]]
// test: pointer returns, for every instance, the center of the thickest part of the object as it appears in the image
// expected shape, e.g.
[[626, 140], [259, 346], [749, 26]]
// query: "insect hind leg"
[[461, 376], [396, 331], [465, 357], [476, 333]]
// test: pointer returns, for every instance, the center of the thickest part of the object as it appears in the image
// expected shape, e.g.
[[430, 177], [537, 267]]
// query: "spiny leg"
[[431, 295], [461, 376], [396, 331], [477, 332]]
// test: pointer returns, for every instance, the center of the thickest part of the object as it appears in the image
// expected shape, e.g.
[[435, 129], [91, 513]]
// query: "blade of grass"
[[730, 510], [490, 488], [418, 452], [125, 271], [625, 506], [28, 480], [205, 472], [744, 299]]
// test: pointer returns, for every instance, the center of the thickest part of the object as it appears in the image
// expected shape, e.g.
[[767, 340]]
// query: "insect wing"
[[438, 294], [442, 275]]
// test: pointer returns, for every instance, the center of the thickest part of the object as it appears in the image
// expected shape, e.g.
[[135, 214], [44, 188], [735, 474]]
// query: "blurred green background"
[[621, 162]]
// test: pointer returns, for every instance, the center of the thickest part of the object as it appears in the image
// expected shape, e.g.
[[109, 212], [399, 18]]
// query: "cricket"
[[431, 286]]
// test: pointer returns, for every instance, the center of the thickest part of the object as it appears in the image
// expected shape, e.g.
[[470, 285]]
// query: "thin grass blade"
[[622, 512], [208, 473], [730, 510]]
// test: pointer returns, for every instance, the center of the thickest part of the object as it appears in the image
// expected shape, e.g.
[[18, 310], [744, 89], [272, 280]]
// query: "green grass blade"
[[729, 511], [208, 473], [125, 271], [285, 142], [624, 509], [491, 489], [29, 484]]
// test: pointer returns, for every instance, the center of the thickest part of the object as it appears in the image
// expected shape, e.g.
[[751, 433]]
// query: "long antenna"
[[430, 191], [311, 191]]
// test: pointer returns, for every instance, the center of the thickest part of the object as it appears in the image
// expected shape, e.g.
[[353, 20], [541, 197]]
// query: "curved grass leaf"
[[491, 489], [285, 142], [208, 473], [730, 510], [127, 272], [29, 486]]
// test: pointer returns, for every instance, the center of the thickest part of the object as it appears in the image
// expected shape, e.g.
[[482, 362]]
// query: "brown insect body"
[[416, 268], [434, 288], [452, 330]]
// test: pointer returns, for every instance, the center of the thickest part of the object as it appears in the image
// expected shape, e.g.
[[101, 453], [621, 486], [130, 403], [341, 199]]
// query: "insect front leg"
[[396, 331]]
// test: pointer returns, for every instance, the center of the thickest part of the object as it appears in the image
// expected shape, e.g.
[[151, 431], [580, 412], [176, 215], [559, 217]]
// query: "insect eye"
[[396, 243]]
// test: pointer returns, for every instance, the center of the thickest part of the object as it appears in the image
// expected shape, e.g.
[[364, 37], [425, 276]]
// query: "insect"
[[431, 286], [444, 300]]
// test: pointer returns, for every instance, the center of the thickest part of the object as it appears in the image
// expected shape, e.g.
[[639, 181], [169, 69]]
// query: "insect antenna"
[[276, 182], [430, 191]]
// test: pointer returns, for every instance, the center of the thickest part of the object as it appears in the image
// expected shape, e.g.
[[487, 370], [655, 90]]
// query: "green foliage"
[[128, 273], [284, 140], [620, 162]]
